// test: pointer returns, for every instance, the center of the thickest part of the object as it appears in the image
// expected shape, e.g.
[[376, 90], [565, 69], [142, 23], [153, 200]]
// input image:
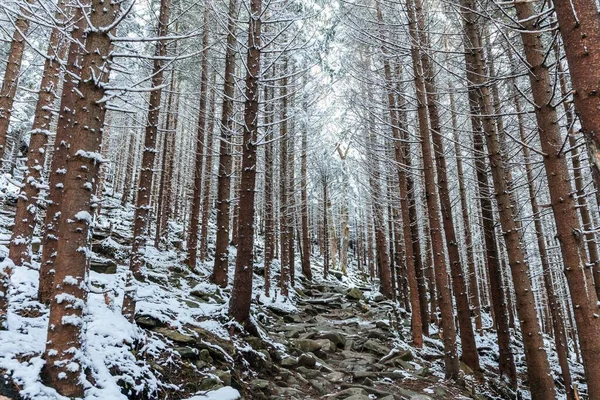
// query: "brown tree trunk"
[[62, 369], [451, 360], [383, 257], [162, 217], [560, 336], [326, 239], [146, 175], [11, 76], [59, 158], [208, 174], [580, 30], [538, 368], [192, 239], [221, 266], [469, 350], [473, 278], [306, 247], [418, 298], [572, 242], [269, 205], [27, 203], [283, 185], [582, 204], [129, 168], [241, 294]]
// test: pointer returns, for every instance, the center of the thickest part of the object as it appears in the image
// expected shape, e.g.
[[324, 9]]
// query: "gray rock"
[[224, 376], [308, 345], [355, 293], [375, 347], [307, 360], [187, 352], [336, 337], [259, 384], [320, 385], [147, 322], [344, 394], [308, 373], [176, 336], [289, 362], [358, 397], [327, 345], [210, 383], [103, 266], [335, 377]]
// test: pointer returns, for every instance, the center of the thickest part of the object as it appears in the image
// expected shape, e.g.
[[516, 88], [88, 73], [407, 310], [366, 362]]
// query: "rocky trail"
[[342, 345], [334, 338]]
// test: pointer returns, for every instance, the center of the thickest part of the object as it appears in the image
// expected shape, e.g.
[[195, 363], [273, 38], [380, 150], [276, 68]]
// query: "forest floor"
[[335, 338]]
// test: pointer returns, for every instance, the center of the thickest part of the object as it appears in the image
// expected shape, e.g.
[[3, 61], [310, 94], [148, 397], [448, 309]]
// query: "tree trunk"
[[569, 233], [192, 240], [59, 158], [473, 278], [560, 336], [220, 269], [164, 193], [146, 175], [269, 205], [208, 173], [418, 299], [580, 29], [538, 368], [62, 369], [283, 184], [306, 270], [29, 196], [11, 76], [451, 360], [469, 350], [241, 294]]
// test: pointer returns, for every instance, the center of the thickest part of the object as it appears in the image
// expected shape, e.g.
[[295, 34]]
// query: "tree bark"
[[538, 368], [220, 268], [146, 175], [11, 76], [192, 239], [471, 267], [451, 360], [62, 369], [29, 196], [208, 174], [241, 294], [569, 231], [59, 158], [306, 251], [469, 350]]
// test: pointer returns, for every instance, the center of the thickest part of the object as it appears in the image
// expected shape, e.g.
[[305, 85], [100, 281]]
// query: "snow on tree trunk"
[[241, 293], [64, 367]]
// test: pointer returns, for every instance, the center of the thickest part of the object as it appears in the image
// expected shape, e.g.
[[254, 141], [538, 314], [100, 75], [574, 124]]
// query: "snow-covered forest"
[[299, 199]]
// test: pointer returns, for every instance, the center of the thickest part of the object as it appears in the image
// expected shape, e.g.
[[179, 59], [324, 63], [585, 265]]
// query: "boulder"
[[289, 362], [355, 294], [375, 347], [335, 377], [103, 266], [336, 337], [187, 352], [344, 394], [307, 360], [147, 322], [175, 336], [259, 384], [308, 345], [224, 376]]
